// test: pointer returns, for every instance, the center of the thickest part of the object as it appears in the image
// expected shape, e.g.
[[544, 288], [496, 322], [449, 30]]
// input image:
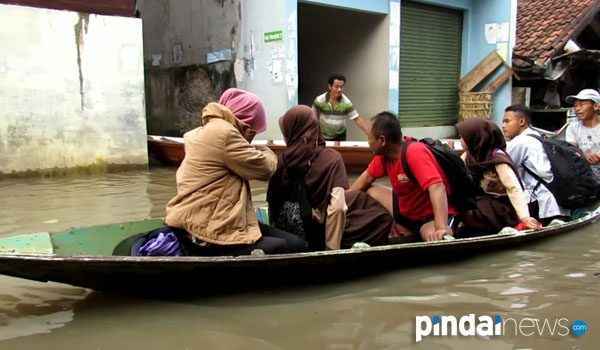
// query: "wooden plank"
[[498, 81], [480, 72]]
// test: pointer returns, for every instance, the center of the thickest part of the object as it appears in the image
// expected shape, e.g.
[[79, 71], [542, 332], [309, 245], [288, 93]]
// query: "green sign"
[[274, 36]]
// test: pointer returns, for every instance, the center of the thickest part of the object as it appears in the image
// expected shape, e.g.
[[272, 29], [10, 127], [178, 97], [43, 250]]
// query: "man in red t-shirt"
[[422, 206]]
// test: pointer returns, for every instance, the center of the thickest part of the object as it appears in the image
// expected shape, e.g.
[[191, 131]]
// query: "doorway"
[[353, 43]]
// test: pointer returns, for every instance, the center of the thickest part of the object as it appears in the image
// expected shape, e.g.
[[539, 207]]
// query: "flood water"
[[556, 279]]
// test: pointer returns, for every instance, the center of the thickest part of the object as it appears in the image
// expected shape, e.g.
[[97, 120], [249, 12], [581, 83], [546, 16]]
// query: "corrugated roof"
[[545, 26]]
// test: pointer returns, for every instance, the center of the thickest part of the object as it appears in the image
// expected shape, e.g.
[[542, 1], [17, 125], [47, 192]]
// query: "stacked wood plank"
[[478, 104]]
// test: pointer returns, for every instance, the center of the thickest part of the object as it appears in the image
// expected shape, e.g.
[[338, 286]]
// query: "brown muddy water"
[[555, 280]]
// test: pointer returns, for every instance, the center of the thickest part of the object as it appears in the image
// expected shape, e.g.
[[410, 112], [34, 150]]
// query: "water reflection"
[[557, 277]]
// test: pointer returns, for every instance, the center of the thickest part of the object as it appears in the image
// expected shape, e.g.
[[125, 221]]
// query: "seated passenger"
[[421, 207], [503, 202], [307, 195], [528, 153], [585, 134], [213, 202]]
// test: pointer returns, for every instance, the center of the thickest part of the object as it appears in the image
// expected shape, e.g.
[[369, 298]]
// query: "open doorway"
[[353, 43]]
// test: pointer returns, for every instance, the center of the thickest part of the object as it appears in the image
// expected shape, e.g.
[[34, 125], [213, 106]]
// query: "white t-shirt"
[[525, 151], [587, 139]]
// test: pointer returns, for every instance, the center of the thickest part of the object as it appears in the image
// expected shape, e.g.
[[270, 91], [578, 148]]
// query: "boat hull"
[[187, 276]]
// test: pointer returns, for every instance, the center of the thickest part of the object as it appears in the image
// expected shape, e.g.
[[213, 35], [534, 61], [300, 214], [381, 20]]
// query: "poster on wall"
[[491, 32], [502, 32]]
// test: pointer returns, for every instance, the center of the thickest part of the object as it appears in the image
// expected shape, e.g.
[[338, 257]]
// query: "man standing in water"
[[333, 108]]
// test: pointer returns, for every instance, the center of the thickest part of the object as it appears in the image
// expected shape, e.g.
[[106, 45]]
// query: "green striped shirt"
[[333, 120]]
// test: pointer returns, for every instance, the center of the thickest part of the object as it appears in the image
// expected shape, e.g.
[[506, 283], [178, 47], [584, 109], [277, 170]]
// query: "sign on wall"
[[274, 36]]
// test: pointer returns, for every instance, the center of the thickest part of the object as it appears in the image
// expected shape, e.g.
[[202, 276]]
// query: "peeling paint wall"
[[188, 51], [72, 92]]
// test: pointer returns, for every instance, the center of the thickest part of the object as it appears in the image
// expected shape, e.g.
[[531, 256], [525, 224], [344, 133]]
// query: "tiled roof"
[[545, 26]]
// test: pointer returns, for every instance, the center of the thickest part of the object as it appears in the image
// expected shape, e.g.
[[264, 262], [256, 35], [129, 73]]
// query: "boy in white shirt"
[[527, 152], [585, 133]]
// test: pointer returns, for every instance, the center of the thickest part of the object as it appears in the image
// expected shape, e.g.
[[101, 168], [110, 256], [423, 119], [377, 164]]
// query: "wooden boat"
[[170, 150], [83, 257]]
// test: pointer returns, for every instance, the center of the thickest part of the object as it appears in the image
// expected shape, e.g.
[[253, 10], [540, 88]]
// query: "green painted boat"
[[83, 257]]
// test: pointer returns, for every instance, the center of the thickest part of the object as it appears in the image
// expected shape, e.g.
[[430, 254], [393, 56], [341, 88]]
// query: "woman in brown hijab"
[[503, 202], [307, 194]]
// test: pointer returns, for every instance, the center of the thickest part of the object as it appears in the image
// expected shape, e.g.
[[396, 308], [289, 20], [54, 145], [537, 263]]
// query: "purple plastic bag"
[[162, 245]]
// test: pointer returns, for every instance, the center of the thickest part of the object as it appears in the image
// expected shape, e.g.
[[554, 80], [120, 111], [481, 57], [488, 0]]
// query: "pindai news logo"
[[486, 326]]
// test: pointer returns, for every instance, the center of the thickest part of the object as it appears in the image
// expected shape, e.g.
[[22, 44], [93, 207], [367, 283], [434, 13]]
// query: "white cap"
[[585, 94]]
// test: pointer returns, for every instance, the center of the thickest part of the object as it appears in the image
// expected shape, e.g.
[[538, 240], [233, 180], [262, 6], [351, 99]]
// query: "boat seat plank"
[[34, 243]]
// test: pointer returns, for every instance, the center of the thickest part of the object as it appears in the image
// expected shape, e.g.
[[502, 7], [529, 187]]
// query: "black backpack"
[[574, 184], [462, 188]]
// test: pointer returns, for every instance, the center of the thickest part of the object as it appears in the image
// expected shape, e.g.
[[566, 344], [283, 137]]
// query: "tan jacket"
[[213, 201]]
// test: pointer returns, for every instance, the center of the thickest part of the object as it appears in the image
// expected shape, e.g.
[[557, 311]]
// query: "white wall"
[[255, 58], [72, 90]]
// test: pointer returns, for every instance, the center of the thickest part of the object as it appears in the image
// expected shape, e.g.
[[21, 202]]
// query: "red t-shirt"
[[413, 199]]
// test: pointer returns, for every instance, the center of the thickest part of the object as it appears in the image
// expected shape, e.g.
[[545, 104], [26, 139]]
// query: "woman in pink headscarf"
[[213, 202]]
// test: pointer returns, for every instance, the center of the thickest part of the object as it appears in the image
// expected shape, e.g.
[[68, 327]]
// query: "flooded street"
[[552, 279]]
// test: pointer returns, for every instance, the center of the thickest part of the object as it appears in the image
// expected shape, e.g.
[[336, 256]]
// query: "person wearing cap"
[[333, 108], [213, 202], [585, 133]]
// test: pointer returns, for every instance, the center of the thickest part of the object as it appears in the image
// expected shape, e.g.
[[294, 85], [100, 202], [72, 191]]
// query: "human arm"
[[336, 218], [515, 193], [363, 182], [248, 161], [439, 203], [361, 124], [592, 158]]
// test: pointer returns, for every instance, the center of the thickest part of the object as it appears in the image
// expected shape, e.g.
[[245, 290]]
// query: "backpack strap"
[[405, 166], [535, 176], [539, 180]]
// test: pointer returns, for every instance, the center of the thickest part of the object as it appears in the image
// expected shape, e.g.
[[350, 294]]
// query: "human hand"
[[437, 234], [249, 134], [592, 158], [531, 223]]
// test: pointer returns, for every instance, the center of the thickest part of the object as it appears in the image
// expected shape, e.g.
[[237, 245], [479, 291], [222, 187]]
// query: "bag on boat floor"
[[574, 184], [463, 190], [164, 241]]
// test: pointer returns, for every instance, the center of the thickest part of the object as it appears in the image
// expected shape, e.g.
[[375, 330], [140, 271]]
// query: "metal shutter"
[[430, 49]]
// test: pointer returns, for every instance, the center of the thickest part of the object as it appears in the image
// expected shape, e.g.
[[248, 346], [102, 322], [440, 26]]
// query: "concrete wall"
[[72, 92], [269, 69], [189, 47]]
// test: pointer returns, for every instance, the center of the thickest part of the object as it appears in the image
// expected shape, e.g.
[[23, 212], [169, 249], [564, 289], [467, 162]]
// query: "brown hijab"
[[483, 139], [306, 158]]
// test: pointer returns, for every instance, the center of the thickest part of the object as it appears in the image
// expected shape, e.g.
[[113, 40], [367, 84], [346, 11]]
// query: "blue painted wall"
[[376, 6], [475, 47], [491, 11]]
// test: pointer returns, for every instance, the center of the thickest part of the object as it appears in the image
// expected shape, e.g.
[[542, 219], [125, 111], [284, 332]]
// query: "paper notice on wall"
[[291, 82], [491, 33], [277, 71], [502, 50], [502, 32]]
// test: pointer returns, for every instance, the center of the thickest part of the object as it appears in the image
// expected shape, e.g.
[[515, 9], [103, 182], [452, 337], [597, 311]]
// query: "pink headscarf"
[[247, 107]]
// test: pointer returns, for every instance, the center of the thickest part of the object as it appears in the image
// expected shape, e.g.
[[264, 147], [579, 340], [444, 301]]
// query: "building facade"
[[72, 92]]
